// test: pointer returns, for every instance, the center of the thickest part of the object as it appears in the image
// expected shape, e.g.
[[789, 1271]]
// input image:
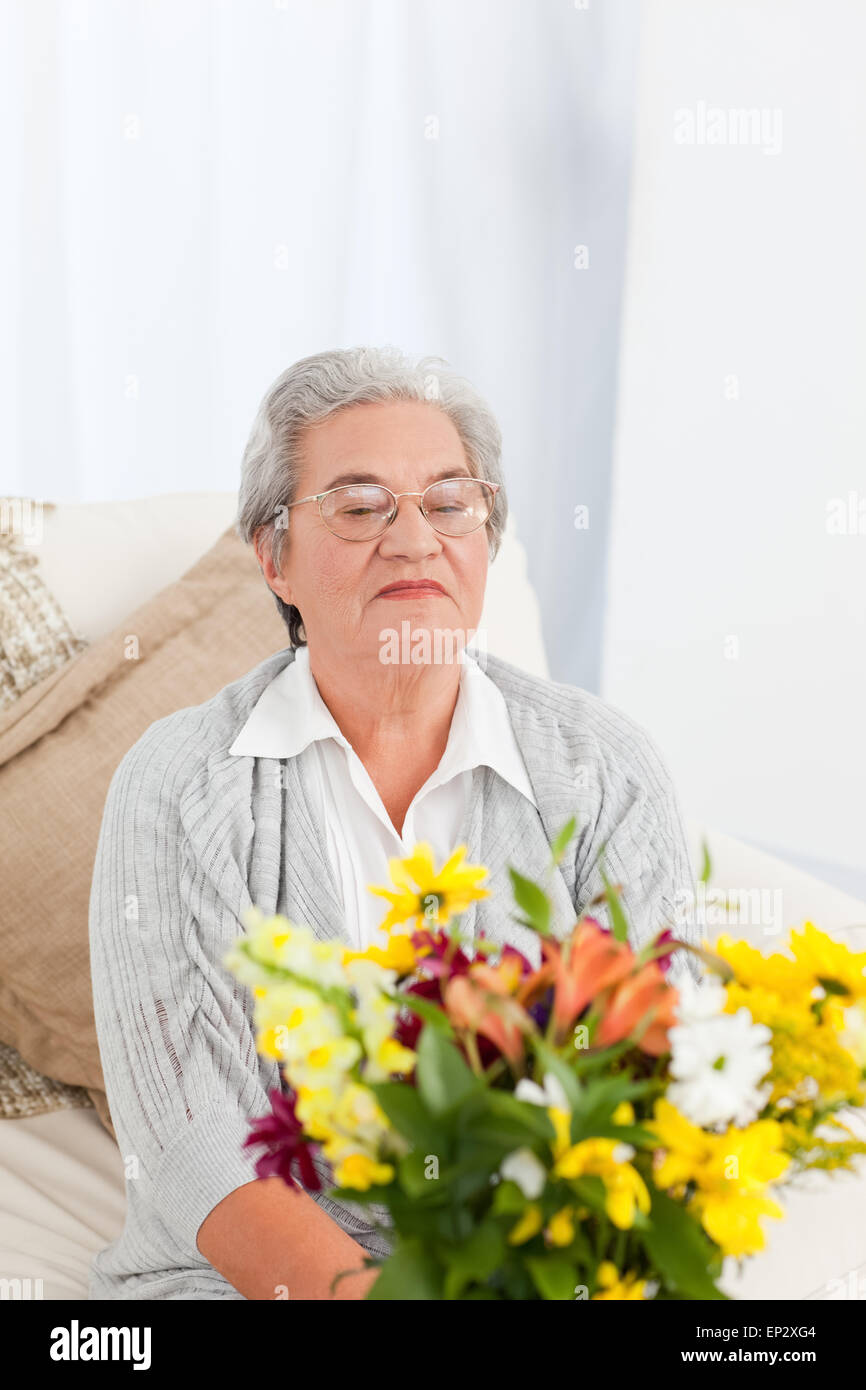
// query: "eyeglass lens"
[[361, 511]]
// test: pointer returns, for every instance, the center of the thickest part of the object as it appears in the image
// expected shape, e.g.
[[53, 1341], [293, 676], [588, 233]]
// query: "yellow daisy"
[[397, 954], [779, 974], [731, 1173], [425, 896], [834, 965]]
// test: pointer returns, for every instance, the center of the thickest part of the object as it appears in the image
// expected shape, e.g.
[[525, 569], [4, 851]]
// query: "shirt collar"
[[290, 714]]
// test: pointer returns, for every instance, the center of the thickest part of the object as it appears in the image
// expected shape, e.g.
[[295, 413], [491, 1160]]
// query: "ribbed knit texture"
[[191, 836]]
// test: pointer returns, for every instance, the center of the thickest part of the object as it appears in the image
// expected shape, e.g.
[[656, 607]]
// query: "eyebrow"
[[343, 479]]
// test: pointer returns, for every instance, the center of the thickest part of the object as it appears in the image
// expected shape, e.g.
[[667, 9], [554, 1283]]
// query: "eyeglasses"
[[363, 511]]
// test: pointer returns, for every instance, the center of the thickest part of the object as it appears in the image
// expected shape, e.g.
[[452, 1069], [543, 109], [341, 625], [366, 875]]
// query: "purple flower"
[[666, 935], [282, 1134]]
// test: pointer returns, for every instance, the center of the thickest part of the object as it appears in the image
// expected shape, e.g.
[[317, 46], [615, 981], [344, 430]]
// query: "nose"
[[410, 533]]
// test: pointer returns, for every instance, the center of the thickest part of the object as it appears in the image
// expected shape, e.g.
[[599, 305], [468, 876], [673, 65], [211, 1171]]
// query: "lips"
[[411, 586]]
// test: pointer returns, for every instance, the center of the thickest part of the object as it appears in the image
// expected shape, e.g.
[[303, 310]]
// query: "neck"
[[389, 713]]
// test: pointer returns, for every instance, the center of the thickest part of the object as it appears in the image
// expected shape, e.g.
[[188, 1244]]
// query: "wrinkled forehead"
[[404, 445]]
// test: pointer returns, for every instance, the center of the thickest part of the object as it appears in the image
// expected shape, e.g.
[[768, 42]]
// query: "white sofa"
[[61, 1176]]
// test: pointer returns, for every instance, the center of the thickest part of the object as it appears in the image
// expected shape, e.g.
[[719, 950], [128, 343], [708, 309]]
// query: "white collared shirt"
[[291, 720]]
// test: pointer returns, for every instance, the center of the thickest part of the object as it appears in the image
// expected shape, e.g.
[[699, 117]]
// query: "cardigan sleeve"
[[176, 1039], [639, 841]]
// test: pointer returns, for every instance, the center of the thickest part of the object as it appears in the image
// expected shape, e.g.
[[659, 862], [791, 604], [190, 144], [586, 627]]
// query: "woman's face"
[[334, 583]]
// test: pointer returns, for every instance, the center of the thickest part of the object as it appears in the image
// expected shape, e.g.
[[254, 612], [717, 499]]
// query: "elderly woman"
[[373, 496]]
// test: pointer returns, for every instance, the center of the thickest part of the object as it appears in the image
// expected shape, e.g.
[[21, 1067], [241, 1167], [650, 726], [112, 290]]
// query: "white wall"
[[742, 414]]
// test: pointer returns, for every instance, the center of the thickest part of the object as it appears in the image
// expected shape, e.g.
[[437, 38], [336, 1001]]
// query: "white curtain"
[[198, 192]]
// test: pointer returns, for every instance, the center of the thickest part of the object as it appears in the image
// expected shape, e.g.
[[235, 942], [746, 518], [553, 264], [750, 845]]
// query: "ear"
[[275, 580]]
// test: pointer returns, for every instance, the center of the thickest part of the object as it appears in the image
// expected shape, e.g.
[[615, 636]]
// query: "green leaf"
[[406, 1110], [496, 1134], [411, 1272], [554, 1276], [618, 919], [640, 1221], [591, 1191], [832, 986], [508, 1200], [426, 1010], [626, 1134], [552, 1062], [601, 1058], [557, 849], [679, 1249], [589, 1060], [534, 1119], [707, 865], [600, 1099], [533, 900], [522, 921], [474, 1260], [443, 1077], [495, 1119], [412, 1172]]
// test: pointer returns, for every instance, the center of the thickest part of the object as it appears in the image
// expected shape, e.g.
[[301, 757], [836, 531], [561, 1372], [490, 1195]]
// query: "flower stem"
[[474, 1055], [601, 1239]]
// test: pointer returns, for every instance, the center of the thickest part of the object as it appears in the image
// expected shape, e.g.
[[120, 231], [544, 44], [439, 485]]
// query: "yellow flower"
[[830, 962], [291, 1020], [803, 1046], [625, 1189], [733, 1222], [852, 1033], [359, 1171], [428, 896], [731, 1172], [780, 974], [687, 1147], [623, 1114], [315, 1108], [276, 942], [561, 1121], [528, 1225], [325, 1064], [359, 1116], [347, 1120], [398, 955], [628, 1287], [560, 1228], [393, 1059]]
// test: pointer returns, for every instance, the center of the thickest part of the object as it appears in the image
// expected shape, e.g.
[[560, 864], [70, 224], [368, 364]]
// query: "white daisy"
[[699, 1001], [717, 1063]]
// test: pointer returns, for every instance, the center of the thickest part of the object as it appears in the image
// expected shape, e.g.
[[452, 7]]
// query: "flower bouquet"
[[585, 1129]]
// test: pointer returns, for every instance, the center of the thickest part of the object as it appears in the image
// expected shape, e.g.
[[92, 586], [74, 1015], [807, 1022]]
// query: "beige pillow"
[[59, 747]]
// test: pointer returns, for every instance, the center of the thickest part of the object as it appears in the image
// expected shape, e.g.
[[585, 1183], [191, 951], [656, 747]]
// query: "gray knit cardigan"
[[192, 835]]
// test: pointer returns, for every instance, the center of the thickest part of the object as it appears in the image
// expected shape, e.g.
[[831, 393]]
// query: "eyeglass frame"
[[461, 477]]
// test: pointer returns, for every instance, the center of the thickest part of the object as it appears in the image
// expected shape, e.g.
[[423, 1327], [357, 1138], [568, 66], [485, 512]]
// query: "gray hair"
[[315, 388]]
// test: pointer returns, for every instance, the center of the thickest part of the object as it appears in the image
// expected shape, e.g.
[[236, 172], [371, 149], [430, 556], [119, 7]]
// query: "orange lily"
[[500, 979], [595, 961], [646, 991], [468, 1005]]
